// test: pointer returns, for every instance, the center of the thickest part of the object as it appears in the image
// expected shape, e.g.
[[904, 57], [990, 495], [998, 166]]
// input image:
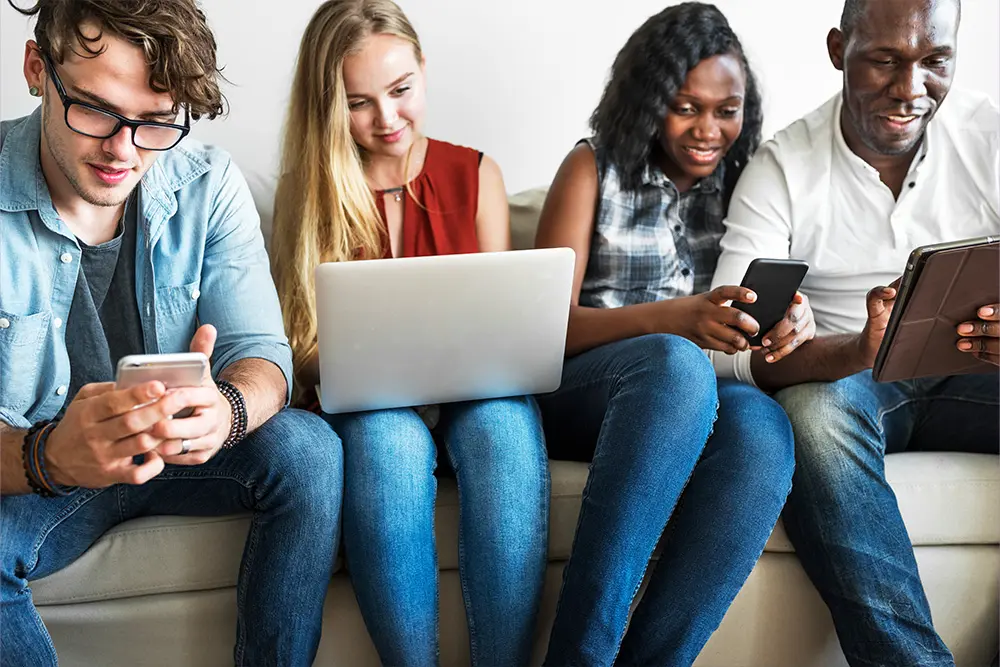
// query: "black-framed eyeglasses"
[[93, 121]]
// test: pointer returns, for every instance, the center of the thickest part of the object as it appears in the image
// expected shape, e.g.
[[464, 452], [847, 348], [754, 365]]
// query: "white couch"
[[161, 591]]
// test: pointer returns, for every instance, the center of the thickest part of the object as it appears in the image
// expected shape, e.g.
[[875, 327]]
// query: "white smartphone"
[[186, 369]]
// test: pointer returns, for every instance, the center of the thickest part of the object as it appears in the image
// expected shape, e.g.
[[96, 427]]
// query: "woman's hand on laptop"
[[796, 328], [982, 337]]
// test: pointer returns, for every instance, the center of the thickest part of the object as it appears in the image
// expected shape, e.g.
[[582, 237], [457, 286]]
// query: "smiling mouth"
[[702, 154]]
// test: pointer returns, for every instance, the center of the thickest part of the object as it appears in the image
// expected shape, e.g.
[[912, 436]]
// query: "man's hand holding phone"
[[93, 444], [797, 327], [197, 438]]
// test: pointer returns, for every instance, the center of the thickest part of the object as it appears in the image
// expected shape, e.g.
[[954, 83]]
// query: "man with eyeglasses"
[[119, 237]]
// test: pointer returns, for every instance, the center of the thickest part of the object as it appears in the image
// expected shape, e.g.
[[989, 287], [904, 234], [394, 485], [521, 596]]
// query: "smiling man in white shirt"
[[883, 167]]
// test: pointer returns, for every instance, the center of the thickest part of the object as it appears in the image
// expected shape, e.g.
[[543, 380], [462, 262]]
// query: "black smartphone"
[[775, 282]]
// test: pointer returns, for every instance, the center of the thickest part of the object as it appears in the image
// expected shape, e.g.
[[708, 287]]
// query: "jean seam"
[[649, 559], [241, 587], [437, 572], [195, 474], [928, 399], [37, 619], [85, 497], [462, 567], [123, 506]]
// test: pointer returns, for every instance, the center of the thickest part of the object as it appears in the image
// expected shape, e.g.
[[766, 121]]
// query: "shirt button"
[[686, 272], [61, 390], [57, 322], [65, 258], [677, 228], [195, 293], [4, 323], [912, 184]]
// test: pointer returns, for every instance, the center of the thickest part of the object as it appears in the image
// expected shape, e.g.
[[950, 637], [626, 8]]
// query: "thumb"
[[204, 340]]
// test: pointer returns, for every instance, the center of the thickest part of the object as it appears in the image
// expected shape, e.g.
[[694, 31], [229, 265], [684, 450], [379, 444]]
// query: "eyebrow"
[[939, 51], [168, 114], [389, 87], [737, 97]]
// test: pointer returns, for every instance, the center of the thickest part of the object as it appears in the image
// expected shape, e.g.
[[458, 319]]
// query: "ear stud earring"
[[34, 91]]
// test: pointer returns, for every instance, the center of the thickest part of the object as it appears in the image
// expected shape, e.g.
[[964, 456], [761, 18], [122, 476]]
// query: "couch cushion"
[[525, 207], [945, 499]]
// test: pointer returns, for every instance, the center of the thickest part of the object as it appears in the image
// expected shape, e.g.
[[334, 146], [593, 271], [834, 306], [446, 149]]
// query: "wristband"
[[238, 405], [33, 457]]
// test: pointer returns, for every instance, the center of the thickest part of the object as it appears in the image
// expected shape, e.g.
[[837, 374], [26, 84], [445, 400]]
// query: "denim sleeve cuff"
[[279, 355], [13, 419]]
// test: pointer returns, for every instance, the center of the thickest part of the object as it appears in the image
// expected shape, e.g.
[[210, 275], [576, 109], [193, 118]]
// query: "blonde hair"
[[324, 210]]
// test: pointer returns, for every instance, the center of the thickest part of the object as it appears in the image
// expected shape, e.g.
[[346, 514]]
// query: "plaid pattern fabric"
[[653, 244]]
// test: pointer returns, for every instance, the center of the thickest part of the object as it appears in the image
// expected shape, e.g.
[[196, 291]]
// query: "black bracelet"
[[238, 405], [33, 457]]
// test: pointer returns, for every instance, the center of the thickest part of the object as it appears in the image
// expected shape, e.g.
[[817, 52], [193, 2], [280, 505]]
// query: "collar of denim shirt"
[[23, 186]]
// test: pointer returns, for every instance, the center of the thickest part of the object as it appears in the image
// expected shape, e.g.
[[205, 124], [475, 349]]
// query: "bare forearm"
[[263, 387], [824, 359], [12, 479], [593, 327]]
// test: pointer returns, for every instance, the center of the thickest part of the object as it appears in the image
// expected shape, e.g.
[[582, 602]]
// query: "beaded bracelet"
[[33, 456], [238, 404]]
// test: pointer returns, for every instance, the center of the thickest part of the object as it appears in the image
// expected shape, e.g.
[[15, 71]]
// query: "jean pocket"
[[21, 340]]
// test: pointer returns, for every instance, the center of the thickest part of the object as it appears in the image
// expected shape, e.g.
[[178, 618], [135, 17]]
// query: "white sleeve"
[[758, 225]]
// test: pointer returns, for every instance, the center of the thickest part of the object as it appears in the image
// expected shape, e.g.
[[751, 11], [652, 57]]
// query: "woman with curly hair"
[[642, 202]]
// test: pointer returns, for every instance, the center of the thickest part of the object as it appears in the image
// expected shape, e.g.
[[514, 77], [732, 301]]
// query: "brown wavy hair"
[[173, 34]]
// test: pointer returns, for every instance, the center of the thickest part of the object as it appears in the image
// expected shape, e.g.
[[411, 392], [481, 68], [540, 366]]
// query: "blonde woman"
[[360, 181]]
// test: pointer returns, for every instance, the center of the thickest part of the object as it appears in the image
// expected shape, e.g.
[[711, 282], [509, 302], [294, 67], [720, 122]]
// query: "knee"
[[499, 442], [757, 430], [304, 448], [826, 418], [498, 432], [385, 445], [672, 365]]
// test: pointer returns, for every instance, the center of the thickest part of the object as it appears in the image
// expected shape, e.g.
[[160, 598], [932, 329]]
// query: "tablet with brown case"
[[943, 286]]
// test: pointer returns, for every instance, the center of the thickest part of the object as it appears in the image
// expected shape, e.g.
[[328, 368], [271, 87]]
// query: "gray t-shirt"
[[103, 323]]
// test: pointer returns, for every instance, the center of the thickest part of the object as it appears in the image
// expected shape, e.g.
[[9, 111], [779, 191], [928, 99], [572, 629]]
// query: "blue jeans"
[[497, 452], [843, 518], [288, 472], [643, 410]]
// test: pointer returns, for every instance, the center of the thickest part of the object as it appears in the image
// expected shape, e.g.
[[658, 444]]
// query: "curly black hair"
[[645, 78]]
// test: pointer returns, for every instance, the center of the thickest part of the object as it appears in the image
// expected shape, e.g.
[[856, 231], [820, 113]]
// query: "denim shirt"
[[200, 259]]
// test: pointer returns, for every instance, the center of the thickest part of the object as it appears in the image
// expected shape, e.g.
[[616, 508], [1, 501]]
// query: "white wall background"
[[514, 78]]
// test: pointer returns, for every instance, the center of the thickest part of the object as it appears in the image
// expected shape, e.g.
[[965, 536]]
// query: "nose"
[[120, 145], [909, 83], [706, 128], [387, 115]]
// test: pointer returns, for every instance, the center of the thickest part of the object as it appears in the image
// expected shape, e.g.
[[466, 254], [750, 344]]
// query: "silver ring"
[[185, 447]]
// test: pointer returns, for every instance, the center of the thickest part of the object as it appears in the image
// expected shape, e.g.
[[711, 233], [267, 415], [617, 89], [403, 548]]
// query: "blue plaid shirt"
[[653, 244]]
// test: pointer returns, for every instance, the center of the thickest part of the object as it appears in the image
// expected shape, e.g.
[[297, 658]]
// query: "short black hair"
[[645, 78], [854, 11]]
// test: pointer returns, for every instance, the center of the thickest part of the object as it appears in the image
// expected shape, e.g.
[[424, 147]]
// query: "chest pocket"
[[177, 316], [21, 341]]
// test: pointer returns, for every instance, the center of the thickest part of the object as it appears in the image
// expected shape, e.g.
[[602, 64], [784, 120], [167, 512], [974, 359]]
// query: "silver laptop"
[[425, 330]]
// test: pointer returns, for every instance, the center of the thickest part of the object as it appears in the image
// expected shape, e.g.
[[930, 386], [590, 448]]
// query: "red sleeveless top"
[[440, 218]]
